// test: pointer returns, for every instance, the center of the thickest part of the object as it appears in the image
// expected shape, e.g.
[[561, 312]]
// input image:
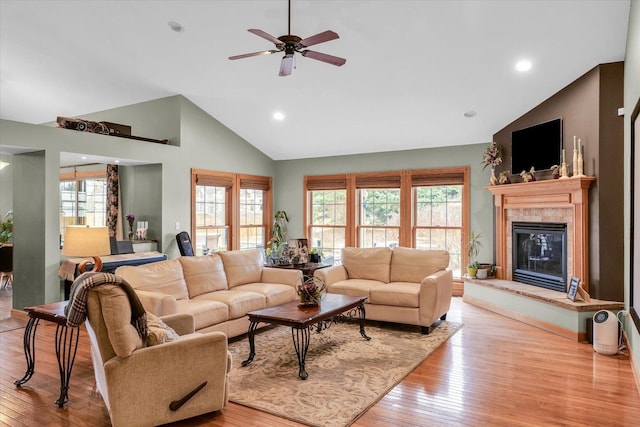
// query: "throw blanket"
[[76, 310]]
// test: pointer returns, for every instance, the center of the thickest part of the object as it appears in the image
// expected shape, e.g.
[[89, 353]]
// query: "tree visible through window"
[[379, 223]]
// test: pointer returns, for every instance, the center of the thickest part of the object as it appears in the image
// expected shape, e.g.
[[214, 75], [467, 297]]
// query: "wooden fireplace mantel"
[[571, 193]]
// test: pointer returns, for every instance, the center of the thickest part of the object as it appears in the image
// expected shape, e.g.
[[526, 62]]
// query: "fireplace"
[[539, 251]]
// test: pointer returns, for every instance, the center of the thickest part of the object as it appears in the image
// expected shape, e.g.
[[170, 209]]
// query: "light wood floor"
[[494, 372]]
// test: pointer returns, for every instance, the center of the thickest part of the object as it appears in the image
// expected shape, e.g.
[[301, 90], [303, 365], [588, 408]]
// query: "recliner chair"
[[145, 386]]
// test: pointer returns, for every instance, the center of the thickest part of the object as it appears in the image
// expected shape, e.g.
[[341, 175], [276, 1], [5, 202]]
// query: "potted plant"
[[473, 249], [6, 228], [314, 255], [278, 239]]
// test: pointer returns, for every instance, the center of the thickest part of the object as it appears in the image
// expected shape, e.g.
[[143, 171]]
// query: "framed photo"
[[573, 288], [298, 251]]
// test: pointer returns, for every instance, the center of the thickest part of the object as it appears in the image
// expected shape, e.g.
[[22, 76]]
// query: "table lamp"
[[85, 241]]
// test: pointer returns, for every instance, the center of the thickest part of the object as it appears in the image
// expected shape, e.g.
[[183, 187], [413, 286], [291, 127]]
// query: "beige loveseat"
[[403, 285], [218, 290]]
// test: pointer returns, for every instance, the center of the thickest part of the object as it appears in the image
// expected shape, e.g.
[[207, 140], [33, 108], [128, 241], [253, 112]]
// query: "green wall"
[[290, 173], [631, 98], [160, 190]]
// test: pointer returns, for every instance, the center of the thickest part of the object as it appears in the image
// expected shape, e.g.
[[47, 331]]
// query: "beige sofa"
[[403, 285], [218, 290]]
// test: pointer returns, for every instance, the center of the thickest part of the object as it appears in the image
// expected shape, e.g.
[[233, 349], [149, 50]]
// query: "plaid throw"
[[76, 310]]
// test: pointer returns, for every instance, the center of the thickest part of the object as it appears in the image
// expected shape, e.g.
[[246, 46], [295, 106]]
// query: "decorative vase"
[[311, 291], [493, 180]]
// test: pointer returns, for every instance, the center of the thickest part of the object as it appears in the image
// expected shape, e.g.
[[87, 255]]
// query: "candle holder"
[[563, 171]]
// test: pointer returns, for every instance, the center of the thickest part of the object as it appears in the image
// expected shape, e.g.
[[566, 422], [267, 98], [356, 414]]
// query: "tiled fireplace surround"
[[557, 201]]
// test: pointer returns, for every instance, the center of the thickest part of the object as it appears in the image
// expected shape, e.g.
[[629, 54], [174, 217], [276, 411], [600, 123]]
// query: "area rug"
[[347, 374]]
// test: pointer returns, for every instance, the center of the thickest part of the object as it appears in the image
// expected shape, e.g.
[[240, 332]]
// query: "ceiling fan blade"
[[318, 38], [286, 65], [248, 55], [329, 59], [267, 36]]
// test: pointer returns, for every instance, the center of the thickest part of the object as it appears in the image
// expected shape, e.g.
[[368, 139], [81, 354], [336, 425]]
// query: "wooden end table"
[[301, 319], [66, 344]]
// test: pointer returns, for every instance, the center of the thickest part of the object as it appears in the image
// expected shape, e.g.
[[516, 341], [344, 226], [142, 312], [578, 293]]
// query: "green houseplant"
[[278, 234], [6, 228], [473, 249]]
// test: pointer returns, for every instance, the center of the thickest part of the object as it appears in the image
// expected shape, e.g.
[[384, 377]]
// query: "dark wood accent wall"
[[589, 109]]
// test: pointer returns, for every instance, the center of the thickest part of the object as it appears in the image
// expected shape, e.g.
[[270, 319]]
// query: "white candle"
[[563, 161], [579, 147], [574, 142]]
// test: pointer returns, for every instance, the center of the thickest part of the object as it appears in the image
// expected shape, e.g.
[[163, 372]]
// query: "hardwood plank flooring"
[[494, 372]]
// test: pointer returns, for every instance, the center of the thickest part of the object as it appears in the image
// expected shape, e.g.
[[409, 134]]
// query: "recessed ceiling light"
[[524, 65], [469, 114], [278, 115], [84, 157], [176, 26], [117, 161]]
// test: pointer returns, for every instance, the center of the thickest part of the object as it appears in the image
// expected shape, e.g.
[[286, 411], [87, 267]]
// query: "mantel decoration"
[[578, 158], [311, 291], [503, 178], [130, 219], [528, 176], [492, 157]]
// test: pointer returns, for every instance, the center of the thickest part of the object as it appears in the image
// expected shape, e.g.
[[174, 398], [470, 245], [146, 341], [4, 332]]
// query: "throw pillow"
[[159, 332]]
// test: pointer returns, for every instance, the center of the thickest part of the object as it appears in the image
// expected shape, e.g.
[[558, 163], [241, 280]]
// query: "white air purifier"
[[605, 332]]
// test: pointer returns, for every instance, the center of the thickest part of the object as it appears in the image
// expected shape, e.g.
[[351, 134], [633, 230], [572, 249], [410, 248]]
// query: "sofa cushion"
[[163, 276], [205, 313], [401, 294], [413, 265], [367, 263], [203, 274], [354, 287], [238, 302], [243, 266], [275, 293]]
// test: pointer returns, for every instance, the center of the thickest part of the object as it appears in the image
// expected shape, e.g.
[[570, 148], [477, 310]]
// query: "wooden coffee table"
[[302, 319]]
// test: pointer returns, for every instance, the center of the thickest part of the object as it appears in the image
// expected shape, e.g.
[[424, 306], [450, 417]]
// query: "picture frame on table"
[[573, 288], [299, 251]]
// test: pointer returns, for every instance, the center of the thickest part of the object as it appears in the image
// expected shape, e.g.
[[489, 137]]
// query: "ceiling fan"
[[290, 44]]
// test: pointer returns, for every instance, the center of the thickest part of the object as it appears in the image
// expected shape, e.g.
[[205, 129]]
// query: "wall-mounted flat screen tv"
[[538, 146]]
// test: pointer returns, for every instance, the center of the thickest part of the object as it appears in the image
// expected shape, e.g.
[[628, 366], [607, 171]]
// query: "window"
[[252, 226], [229, 211], [379, 221], [425, 209], [438, 221], [83, 199], [328, 221]]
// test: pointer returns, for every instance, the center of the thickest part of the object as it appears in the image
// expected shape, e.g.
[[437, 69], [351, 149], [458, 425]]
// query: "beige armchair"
[[153, 385]]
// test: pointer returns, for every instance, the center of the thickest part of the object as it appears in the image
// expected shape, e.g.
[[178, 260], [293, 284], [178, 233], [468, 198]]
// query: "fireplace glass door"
[[540, 254]]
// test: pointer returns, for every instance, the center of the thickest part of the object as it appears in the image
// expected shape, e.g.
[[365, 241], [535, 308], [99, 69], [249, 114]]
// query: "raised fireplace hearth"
[[539, 255]]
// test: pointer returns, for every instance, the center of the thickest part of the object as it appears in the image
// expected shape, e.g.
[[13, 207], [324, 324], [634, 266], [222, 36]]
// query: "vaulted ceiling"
[[414, 68]]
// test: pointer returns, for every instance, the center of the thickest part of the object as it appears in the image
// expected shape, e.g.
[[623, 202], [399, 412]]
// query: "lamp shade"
[[83, 241]]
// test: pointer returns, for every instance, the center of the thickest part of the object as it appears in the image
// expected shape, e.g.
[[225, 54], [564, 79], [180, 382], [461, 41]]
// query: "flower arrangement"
[[310, 291], [130, 218], [492, 156]]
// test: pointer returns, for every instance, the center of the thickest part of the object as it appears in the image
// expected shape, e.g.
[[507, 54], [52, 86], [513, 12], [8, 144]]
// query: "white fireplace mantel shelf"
[[567, 199]]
